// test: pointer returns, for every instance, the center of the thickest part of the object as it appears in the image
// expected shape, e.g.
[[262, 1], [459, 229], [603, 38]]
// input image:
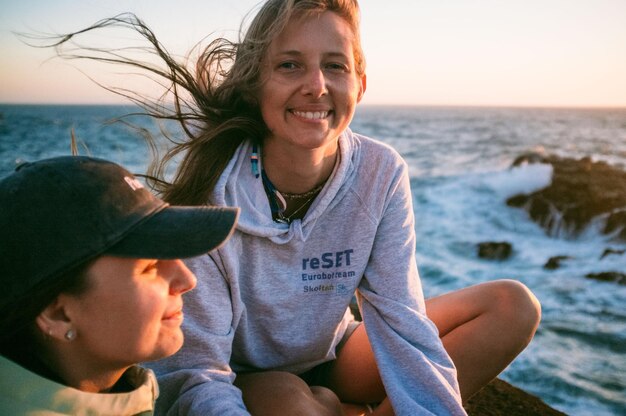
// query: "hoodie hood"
[[238, 186]]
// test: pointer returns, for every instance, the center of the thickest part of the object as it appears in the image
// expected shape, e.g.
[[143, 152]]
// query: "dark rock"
[[493, 250], [555, 262], [616, 222], [529, 158], [610, 251], [580, 191], [499, 398], [617, 277], [518, 201]]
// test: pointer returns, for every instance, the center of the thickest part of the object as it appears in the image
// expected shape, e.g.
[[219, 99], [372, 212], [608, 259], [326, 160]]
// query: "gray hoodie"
[[276, 296]]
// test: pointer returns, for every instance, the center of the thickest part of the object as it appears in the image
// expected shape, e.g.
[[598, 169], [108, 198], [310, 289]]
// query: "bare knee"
[[327, 398], [517, 305], [277, 392]]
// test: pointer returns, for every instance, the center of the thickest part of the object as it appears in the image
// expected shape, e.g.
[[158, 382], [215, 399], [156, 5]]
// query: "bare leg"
[[274, 393], [483, 328], [354, 374]]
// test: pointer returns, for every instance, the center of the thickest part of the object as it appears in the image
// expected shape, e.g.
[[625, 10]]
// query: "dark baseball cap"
[[58, 213]]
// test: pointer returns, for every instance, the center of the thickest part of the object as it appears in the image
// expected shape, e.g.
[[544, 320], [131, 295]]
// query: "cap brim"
[[178, 232]]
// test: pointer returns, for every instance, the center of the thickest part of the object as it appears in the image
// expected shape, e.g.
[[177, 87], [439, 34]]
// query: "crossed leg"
[[482, 327]]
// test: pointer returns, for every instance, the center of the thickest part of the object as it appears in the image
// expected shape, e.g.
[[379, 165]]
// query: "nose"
[[314, 83], [181, 278]]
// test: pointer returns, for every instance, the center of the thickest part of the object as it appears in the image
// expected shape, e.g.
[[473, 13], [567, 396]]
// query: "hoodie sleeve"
[[197, 380], [418, 375]]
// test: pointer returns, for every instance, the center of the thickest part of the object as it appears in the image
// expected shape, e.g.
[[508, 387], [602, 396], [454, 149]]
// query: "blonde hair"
[[233, 93], [215, 100]]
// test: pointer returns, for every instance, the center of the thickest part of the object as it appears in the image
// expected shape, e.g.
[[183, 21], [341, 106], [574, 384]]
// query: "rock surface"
[[495, 250], [616, 277], [581, 190], [500, 398], [554, 262]]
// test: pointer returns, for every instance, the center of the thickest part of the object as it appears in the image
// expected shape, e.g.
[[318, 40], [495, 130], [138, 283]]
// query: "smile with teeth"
[[311, 115]]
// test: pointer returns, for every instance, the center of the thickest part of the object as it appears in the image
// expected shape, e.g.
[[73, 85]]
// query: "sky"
[[547, 53]]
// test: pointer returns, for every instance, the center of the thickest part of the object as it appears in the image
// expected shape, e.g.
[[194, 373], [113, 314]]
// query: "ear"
[[362, 88], [53, 321]]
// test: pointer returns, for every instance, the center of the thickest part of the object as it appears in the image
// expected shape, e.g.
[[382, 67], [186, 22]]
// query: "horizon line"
[[362, 105]]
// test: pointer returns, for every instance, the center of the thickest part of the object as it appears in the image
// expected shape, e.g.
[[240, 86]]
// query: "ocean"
[[459, 160]]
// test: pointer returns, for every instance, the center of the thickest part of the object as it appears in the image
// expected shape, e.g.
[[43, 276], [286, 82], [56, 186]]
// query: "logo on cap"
[[133, 183]]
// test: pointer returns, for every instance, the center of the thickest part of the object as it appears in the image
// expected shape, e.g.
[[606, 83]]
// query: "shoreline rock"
[[500, 398], [581, 191]]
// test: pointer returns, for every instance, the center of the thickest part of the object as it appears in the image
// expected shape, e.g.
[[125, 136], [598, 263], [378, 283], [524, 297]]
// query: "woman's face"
[[310, 86], [131, 311]]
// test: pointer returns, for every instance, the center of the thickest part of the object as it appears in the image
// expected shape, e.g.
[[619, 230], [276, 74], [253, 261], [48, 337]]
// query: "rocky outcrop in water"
[[581, 191], [616, 277], [495, 250], [612, 252], [554, 262]]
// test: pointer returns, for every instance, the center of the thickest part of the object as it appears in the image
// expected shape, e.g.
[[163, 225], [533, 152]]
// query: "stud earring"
[[70, 335]]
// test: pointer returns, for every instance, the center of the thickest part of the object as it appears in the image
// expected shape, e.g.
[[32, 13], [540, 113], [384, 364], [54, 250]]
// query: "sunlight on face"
[[132, 309], [310, 85]]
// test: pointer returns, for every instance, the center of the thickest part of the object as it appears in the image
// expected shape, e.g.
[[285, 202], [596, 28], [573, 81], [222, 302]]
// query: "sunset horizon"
[[555, 55]]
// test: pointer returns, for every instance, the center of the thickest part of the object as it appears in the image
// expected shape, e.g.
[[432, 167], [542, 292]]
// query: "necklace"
[[278, 205], [304, 204], [304, 195]]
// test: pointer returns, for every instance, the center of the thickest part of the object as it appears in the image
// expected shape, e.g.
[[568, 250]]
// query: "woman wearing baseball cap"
[[91, 284]]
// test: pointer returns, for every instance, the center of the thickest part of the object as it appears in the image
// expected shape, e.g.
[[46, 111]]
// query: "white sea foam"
[[523, 179]]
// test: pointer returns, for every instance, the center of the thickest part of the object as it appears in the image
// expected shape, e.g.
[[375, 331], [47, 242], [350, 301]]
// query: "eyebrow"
[[299, 53]]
